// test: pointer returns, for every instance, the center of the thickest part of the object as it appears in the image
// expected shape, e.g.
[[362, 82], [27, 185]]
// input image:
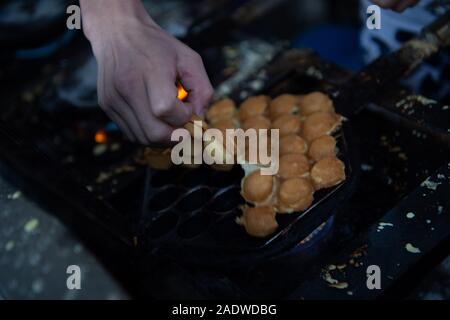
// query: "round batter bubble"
[[254, 107], [287, 124], [284, 104], [322, 147], [295, 195], [257, 123], [221, 110], [320, 124], [259, 222], [257, 188], [315, 102], [293, 166], [223, 125], [327, 173], [292, 144]]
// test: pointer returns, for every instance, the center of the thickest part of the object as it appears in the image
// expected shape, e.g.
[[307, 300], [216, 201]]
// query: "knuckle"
[[162, 108]]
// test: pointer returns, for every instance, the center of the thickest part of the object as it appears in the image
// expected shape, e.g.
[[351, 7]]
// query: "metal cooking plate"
[[199, 206], [196, 208]]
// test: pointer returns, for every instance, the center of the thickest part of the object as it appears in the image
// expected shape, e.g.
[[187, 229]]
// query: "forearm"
[[100, 15]]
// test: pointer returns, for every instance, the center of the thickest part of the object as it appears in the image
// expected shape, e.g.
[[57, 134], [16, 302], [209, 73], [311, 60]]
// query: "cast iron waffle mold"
[[191, 212]]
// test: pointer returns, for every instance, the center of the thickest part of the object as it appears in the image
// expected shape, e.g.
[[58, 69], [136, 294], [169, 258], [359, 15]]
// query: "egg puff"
[[287, 124], [327, 173], [293, 166], [322, 147], [253, 107], [223, 125], [259, 189], [284, 104], [315, 102], [224, 109], [295, 195], [319, 124], [258, 221], [292, 144], [258, 122]]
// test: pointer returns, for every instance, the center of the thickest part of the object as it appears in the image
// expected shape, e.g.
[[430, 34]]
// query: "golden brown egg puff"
[[295, 195], [258, 222], [322, 147], [287, 124], [224, 109], [327, 173], [258, 189], [257, 123], [319, 124], [293, 166], [315, 102], [292, 144], [254, 107], [284, 104], [226, 124]]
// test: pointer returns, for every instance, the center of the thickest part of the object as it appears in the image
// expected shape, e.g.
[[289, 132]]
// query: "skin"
[[139, 65], [396, 5]]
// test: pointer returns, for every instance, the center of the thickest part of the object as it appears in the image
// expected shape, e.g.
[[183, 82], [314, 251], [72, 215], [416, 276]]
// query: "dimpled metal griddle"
[[191, 213]]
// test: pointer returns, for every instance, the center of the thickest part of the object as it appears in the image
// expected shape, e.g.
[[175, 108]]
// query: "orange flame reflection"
[[100, 136], [182, 93]]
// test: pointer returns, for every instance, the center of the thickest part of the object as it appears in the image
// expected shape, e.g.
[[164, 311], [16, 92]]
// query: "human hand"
[[139, 65]]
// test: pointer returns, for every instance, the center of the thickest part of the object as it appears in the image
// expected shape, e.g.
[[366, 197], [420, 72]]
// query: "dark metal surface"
[[422, 220]]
